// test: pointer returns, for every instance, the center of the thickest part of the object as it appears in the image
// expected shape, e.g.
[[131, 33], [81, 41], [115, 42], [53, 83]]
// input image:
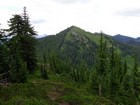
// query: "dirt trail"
[[56, 93], [53, 95]]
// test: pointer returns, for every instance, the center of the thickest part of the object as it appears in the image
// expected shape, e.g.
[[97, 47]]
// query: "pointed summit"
[[75, 28], [70, 31]]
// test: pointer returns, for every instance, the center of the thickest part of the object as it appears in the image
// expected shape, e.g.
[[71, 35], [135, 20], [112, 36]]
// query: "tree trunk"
[[100, 90]]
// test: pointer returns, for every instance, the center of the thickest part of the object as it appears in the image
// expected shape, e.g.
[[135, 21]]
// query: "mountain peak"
[[74, 28], [77, 30]]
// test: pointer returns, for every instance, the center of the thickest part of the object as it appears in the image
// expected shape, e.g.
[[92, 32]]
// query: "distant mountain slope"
[[133, 43], [122, 38], [127, 40], [138, 39], [76, 45], [72, 43]]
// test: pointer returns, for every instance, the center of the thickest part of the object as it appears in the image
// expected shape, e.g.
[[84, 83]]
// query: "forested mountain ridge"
[[76, 44], [108, 65]]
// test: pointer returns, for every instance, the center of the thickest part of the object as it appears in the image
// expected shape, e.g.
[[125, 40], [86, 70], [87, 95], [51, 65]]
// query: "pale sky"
[[52, 16]]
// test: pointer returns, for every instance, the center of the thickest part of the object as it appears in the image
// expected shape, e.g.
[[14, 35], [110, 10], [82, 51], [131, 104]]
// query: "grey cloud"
[[132, 13], [71, 1], [38, 21]]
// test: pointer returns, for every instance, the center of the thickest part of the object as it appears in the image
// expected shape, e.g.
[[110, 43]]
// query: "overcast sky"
[[51, 16]]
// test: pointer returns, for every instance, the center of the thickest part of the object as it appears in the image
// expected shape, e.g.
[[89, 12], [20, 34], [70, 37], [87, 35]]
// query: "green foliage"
[[111, 79], [55, 64], [4, 58], [26, 94], [77, 45], [18, 69], [109, 76], [25, 101], [20, 27], [16, 25], [73, 99], [78, 72], [4, 53], [101, 65], [71, 44], [136, 78], [38, 91], [28, 51], [44, 72], [18, 53]]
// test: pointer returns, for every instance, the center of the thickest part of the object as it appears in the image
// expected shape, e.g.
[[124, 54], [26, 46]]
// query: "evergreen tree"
[[113, 80], [55, 63], [124, 94], [94, 81], [102, 65], [136, 78], [124, 71], [20, 26], [28, 52], [44, 72], [18, 68], [16, 25], [116, 72], [28, 29], [4, 56], [52, 61], [28, 43]]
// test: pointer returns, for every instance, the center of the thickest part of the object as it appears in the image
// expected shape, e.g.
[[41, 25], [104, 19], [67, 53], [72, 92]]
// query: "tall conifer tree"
[[102, 65], [20, 27], [136, 78]]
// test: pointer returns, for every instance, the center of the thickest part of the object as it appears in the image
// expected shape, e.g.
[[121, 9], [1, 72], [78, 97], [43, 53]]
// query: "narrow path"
[[55, 94]]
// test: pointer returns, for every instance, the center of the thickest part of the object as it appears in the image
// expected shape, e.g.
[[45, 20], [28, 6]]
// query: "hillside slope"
[[77, 45], [55, 91]]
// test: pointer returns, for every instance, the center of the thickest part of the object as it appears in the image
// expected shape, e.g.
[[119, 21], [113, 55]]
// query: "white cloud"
[[38, 21], [52, 16], [71, 1], [130, 12]]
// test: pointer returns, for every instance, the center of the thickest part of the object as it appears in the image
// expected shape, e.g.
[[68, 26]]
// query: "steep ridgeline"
[[76, 45]]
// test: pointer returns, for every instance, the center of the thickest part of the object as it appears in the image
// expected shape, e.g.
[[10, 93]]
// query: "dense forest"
[[73, 67]]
